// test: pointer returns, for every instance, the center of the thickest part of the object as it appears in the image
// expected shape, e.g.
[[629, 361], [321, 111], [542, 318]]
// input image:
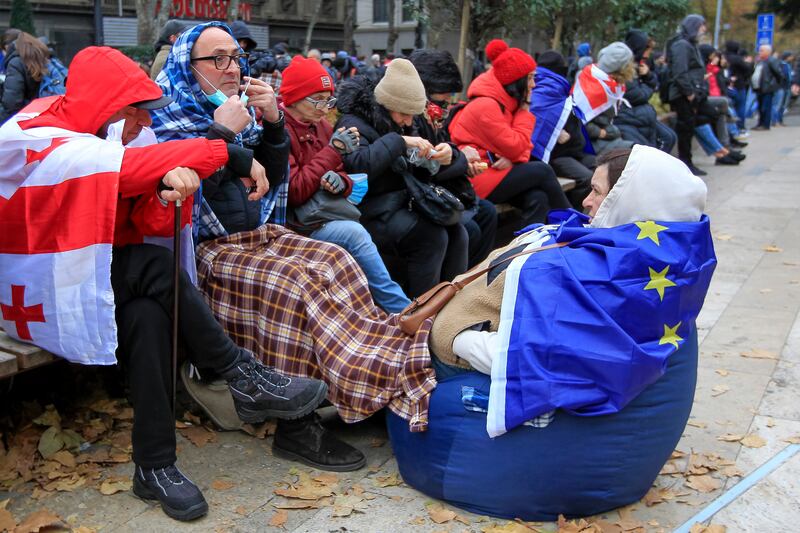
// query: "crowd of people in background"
[[371, 177]]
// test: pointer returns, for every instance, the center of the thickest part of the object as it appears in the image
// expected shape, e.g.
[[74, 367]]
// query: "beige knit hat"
[[400, 89]]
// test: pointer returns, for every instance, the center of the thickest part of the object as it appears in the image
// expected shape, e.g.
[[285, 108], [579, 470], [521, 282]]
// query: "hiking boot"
[[737, 155], [260, 392], [306, 440], [179, 497], [726, 160], [696, 171]]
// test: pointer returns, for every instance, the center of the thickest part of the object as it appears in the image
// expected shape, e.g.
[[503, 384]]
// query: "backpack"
[[54, 81]]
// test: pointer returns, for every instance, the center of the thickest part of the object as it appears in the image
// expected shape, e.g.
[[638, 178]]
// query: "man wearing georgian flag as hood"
[[599, 91], [80, 192]]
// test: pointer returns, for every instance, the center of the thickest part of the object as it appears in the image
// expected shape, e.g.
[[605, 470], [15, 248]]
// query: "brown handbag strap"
[[472, 277]]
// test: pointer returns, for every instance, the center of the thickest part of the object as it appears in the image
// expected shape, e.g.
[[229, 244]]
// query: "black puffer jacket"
[[381, 155], [686, 68], [225, 192], [637, 123], [19, 88]]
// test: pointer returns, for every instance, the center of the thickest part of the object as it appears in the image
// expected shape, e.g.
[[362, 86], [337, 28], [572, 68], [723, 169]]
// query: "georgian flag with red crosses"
[[594, 92], [58, 201]]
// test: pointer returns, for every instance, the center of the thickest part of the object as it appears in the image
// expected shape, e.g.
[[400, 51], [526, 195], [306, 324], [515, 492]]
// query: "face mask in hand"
[[218, 97], [360, 187]]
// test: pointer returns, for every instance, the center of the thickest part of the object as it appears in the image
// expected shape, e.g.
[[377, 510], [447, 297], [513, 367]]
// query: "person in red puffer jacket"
[[496, 121]]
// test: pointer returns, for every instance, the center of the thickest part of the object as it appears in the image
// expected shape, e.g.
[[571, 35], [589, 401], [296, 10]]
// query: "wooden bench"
[[16, 357]]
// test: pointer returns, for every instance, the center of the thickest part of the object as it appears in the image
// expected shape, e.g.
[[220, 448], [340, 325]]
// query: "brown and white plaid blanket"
[[304, 306]]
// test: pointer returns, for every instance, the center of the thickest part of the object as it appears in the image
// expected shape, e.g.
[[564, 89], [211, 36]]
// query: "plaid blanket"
[[304, 306]]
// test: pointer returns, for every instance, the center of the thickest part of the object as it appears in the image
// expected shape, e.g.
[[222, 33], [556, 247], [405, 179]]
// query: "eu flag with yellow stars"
[[588, 326]]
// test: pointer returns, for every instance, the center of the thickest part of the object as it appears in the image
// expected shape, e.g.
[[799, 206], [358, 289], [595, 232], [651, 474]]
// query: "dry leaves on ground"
[[306, 488], [37, 521], [792, 440], [751, 441], [222, 484], [758, 353], [115, 484], [658, 495], [510, 527], [704, 483], [711, 528], [440, 514], [722, 372], [390, 480], [718, 390], [279, 518], [346, 504], [772, 248], [198, 435]]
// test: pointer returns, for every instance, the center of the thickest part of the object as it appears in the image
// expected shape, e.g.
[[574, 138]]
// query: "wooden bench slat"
[[26, 356], [567, 184], [8, 364], [7, 344]]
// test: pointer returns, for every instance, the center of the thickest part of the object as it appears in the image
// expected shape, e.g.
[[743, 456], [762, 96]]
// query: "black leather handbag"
[[433, 202]]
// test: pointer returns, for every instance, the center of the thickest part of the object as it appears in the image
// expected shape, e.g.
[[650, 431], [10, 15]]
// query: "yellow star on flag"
[[649, 230], [659, 281], [671, 335]]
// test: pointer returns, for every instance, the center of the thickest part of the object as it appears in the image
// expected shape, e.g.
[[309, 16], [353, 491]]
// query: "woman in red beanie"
[[496, 122]]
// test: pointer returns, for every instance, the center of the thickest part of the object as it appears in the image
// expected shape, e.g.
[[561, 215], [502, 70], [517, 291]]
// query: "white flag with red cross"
[[58, 201], [594, 92]]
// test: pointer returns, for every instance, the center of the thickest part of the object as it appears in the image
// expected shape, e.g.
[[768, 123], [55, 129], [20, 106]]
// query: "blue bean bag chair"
[[576, 466]]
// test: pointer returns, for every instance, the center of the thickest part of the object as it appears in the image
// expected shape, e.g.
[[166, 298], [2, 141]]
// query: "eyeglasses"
[[222, 62], [319, 105]]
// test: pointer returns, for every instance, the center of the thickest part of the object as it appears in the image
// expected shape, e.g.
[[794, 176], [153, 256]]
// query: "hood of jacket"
[[489, 86], [732, 47], [637, 41], [356, 96], [690, 27], [653, 186], [101, 82]]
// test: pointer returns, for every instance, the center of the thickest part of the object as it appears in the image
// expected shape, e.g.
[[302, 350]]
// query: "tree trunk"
[[391, 39], [233, 10], [315, 12], [462, 42], [349, 26], [557, 32]]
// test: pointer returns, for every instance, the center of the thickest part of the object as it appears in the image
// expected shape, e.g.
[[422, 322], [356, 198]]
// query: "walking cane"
[[176, 247]]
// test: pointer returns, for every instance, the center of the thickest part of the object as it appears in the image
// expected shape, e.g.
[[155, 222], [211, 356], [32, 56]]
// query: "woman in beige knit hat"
[[384, 113]]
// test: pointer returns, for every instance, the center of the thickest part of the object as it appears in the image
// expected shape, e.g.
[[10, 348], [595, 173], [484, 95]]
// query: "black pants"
[[432, 253], [481, 229], [684, 127], [765, 109], [581, 170], [142, 279], [533, 188]]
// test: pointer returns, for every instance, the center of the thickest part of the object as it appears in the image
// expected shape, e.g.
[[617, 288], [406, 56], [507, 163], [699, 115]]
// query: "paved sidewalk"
[[752, 308]]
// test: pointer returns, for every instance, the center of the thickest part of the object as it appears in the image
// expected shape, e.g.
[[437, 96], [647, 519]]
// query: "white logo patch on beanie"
[[326, 82]]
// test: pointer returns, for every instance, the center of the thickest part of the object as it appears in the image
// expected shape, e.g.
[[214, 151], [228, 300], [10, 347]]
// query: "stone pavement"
[[752, 308]]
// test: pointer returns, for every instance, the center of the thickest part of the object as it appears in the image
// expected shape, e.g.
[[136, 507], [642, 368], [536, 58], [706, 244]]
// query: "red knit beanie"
[[304, 77], [512, 65], [494, 48]]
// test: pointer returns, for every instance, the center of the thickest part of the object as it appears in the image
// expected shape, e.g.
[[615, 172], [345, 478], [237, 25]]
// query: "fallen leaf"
[[792, 440], [729, 437], [724, 237], [298, 504], [722, 372], [440, 514], [670, 468], [704, 483], [657, 495], [770, 422], [50, 442], [718, 390], [198, 435], [105, 406], [772, 248], [222, 484], [241, 510], [753, 441], [345, 505], [38, 520], [327, 479], [512, 527], [49, 418], [711, 528], [391, 480], [377, 442], [463, 519], [279, 518], [65, 458], [418, 521], [261, 431], [576, 526], [83, 529], [732, 471], [758, 353], [677, 454], [7, 520], [306, 489], [696, 424], [114, 485]]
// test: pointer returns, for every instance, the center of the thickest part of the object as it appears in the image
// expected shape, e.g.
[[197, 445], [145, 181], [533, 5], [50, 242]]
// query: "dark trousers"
[[581, 170], [481, 230], [533, 188], [739, 97], [432, 253], [684, 127], [765, 110], [142, 279]]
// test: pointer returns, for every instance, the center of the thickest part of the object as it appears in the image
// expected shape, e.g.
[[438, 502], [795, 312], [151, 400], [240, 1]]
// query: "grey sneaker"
[[260, 392], [179, 497]]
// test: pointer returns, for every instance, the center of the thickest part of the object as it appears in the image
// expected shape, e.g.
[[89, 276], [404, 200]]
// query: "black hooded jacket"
[[638, 122], [686, 68], [740, 70]]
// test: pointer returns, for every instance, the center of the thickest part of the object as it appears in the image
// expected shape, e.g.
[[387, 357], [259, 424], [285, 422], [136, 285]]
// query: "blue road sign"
[[765, 29]]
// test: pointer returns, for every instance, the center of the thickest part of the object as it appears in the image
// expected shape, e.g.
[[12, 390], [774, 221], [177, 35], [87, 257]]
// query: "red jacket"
[[310, 157], [713, 81], [101, 82], [491, 122]]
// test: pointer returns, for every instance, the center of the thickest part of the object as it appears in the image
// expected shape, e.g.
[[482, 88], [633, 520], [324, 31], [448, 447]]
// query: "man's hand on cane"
[[182, 183]]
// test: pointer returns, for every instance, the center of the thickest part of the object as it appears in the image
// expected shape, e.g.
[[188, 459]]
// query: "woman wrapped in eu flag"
[[587, 325]]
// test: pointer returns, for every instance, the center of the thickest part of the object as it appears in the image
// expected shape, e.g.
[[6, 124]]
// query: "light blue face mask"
[[218, 97], [360, 188]]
